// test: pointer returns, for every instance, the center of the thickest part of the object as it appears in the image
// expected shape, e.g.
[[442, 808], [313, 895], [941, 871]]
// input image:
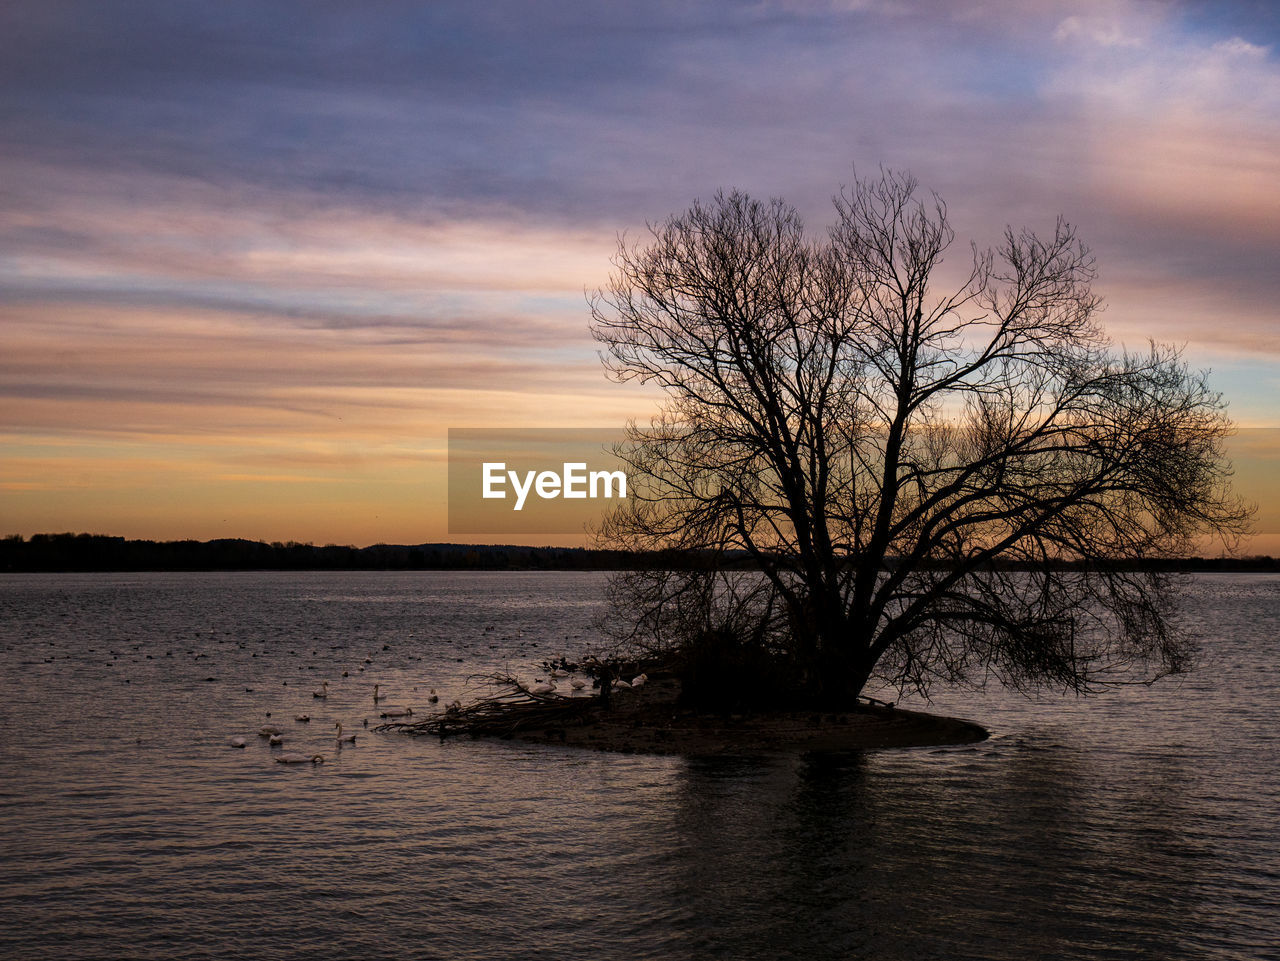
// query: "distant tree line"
[[99, 552]]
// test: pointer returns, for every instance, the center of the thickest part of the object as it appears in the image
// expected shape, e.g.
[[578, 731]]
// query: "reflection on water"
[[1137, 825], [937, 857]]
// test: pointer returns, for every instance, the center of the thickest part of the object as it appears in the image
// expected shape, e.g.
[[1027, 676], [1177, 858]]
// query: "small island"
[[653, 720]]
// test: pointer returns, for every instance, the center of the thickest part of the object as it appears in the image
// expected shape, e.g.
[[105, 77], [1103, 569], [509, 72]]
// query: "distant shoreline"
[[87, 553]]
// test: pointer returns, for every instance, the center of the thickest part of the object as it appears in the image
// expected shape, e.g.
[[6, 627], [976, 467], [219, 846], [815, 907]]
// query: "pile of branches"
[[512, 707]]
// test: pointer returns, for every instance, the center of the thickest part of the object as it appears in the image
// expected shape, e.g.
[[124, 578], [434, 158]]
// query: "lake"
[[1140, 823]]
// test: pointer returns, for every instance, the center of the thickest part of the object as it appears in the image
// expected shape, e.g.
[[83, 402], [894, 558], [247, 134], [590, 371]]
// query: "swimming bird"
[[376, 698], [268, 731], [324, 690], [344, 738], [639, 681], [454, 707], [433, 697], [621, 685], [543, 688], [398, 712], [236, 742], [300, 759], [302, 718], [577, 684], [275, 740]]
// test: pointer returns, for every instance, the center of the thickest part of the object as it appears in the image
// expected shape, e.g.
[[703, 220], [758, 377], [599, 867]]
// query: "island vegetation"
[[939, 476]]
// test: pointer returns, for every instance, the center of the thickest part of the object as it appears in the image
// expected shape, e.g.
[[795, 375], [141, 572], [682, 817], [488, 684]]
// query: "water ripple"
[[1137, 825]]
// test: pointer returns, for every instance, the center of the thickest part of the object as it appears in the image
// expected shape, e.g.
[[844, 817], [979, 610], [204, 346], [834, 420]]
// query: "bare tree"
[[932, 484]]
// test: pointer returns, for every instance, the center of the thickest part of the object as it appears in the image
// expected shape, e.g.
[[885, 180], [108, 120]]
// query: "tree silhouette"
[[931, 482]]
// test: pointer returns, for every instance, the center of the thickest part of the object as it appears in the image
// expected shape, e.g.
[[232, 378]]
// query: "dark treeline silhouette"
[[100, 552], [97, 552]]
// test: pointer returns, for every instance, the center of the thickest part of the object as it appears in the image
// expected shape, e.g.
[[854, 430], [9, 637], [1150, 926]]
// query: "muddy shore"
[[649, 722]]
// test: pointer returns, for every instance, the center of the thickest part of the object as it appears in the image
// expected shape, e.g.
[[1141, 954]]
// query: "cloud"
[[1103, 32]]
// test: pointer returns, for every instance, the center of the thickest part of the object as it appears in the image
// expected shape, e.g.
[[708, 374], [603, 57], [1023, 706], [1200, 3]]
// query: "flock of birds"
[[544, 688], [276, 737]]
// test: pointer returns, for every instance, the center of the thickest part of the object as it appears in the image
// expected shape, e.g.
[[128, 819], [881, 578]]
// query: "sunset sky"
[[257, 258]]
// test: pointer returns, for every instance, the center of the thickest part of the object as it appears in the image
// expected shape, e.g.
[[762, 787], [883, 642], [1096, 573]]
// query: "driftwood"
[[512, 707]]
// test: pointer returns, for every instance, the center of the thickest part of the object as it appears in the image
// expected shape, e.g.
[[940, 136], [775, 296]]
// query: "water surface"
[[1137, 824]]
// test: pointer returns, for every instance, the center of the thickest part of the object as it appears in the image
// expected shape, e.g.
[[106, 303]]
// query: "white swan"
[[324, 690], [302, 718], [376, 698], [236, 742], [397, 712], [300, 759], [268, 731], [621, 685], [344, 738], [275, 740], [577, 684], [639, 681], [543, 688]]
